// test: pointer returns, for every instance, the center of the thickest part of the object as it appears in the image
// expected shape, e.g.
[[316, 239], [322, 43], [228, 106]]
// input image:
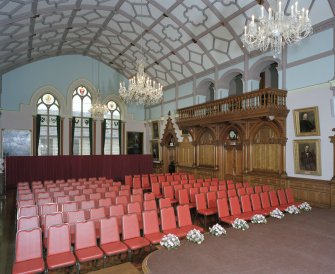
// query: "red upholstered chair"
[[87, 205], [266, 188], [58, 194], [230, 186], [145, 183], [184, 219], [112, 195], [95, 196], [86, 248], [222, 182], [101, 190], [222, 187], [131, 234], [258, 189], [213, 188], [96, 214], [241, 191], [203, 189], [168, 223], [136, 209], [79, 198], [74, 192], [223, 211], [168, 193], [50, 220], [238, 185], [28, 252], [150, 205], [151, 226], [25, 223], [128, 180], [246, 204], [191, 176], [25, 203], [183, 176], [153, 179], [68, 206], [136, 183], [47, 209], [256, 205], [266, 201], [122, 200], [169, 178], [62, 199], [274, 200], [290, 197], [115, 188], [43, 201], [110, 238], [230, 182], [72, 218], [249, 190], [59, 253], [155, 188], [136, 191], [176, 177], [184, 199], [246, 184], [117, 211], [187, 186], [105, 203], [232, 192], [211, 200], [137, 198], [176, 189], [193, 191], [200, 202], [164, 202], [235, 209], [25, 196], [149, 196], [221, 194]]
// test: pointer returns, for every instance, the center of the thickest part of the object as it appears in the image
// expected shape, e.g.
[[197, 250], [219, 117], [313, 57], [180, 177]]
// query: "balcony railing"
[[264, 102]]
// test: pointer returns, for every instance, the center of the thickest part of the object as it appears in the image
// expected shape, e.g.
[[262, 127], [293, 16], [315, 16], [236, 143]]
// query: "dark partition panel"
[[30, 168]]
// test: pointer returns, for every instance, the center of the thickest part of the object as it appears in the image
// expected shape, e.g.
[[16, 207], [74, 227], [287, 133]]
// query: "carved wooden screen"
[[206, 150], [186, 153]]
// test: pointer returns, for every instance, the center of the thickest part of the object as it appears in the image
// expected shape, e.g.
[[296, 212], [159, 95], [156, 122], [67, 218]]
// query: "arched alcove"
[[206, 89]]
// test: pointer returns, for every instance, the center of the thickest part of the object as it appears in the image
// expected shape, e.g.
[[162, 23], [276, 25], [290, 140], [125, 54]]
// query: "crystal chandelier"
[[141, 89], [98, 110], [277, 29]]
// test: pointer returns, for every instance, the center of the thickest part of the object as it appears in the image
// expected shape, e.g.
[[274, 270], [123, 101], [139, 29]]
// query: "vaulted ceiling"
[[179, 39]]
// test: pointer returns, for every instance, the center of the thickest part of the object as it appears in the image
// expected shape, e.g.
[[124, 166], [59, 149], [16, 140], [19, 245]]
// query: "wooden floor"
[[7, 246]]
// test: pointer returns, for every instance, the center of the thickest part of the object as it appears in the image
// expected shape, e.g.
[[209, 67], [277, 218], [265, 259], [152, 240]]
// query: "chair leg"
[[104, 263], [78, 267], [129, 255]]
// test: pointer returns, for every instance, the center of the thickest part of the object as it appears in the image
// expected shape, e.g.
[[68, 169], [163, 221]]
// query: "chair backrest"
[[193, 191], [109, 231], [155, 188], [85, 235], [168, 192], [221, 194], [69, 206], [184, 215], [211, 199], [136, 198], [28, 245], [273, 198], [97, 213], [223, 187], [246, 184], [241, 191], [48, 208], [255, 201], [87, 204], [130, 226], [50, 220], [150, 205], [79, 198], [249, 190], [289, 195], [63, 199], [149, 196], [230, 186], [266, 188], [238, 185], [246, 204], [43, 201], [87, 191], [265, 200], [26, 196], [134, 208], [25, 223], [200, 201], [137, 183], [183, 197], [234, 205], [122, 200], [176, 177], [100, 190], [145, 182], [223, 209], [58, 239], [213, 188], [25, 203], [258, 189], [168, 219], [203, 189], [128, 179], [150, 222], [137, 191], [105, 202], [75, 216], [232, 192], [116, 210], [282, 196], [164, 202], [95, 196]]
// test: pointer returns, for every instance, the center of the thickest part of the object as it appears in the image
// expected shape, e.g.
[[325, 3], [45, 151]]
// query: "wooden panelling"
[[265, 157], [186, 153], [207, 155]]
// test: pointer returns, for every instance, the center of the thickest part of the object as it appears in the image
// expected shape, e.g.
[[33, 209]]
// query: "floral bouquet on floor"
[[240, 224], [276, 213], [195, 236], [305, 207], [170, 241], [292, 210], [217, 230], [258, 219]]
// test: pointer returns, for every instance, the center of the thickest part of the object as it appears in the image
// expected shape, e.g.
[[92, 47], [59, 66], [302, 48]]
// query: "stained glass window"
[[112, 131]]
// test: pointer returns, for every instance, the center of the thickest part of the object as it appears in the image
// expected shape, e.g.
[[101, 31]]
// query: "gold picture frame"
[[307, 157], [306, 122], [155, 130], [155, 150]]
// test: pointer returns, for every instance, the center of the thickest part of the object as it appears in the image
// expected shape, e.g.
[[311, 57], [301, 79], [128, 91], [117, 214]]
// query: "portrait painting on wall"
[[134, 142], [16, 142], [307, 158], [155, 150], [155, 130], [306, 122]]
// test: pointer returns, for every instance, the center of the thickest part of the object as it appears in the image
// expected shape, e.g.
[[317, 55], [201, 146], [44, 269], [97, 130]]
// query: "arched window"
[[47, 125], [111, 130], [81, 122], [236, 85]]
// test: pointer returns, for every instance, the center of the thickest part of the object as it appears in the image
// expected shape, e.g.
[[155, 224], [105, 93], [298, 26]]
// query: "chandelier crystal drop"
[[141, 89], [277, 29], [98, 110]]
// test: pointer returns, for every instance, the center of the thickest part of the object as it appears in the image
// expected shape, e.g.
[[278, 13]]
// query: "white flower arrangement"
[[217, 230], [305, 206], [292, 210], [258, 219], [195, 236], [170, 241], [240, 224], [276, 213]]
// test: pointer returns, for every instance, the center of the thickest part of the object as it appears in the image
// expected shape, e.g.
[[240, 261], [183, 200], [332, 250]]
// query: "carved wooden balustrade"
[[265, 102]]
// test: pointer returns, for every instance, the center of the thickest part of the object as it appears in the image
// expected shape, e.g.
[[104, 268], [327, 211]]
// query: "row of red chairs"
[[29, 258]]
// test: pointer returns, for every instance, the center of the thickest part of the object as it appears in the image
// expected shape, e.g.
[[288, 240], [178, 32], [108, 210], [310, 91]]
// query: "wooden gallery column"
[[169, 145], [332, 182]]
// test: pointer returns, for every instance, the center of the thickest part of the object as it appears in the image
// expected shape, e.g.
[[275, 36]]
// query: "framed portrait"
[[155, 130], [16, 142], [155, 149], [184, 132], [134, 142], [307, 158], [306, 122]]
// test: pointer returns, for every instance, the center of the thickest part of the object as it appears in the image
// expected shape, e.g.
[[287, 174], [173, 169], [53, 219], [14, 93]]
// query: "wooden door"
[[233, 162]]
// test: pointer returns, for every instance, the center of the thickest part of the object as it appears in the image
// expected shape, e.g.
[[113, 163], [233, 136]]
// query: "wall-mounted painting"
[[155, 149], [306, 122], [16, 142], [134, 142], [307, 158], [155, 130]]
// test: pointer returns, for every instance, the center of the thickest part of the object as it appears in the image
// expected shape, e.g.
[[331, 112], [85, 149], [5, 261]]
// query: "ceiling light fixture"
[[141, 89], [276, 30]]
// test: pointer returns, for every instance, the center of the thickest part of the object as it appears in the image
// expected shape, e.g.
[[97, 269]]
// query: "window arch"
[[81, 121], [47, 125], [111, 129]]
